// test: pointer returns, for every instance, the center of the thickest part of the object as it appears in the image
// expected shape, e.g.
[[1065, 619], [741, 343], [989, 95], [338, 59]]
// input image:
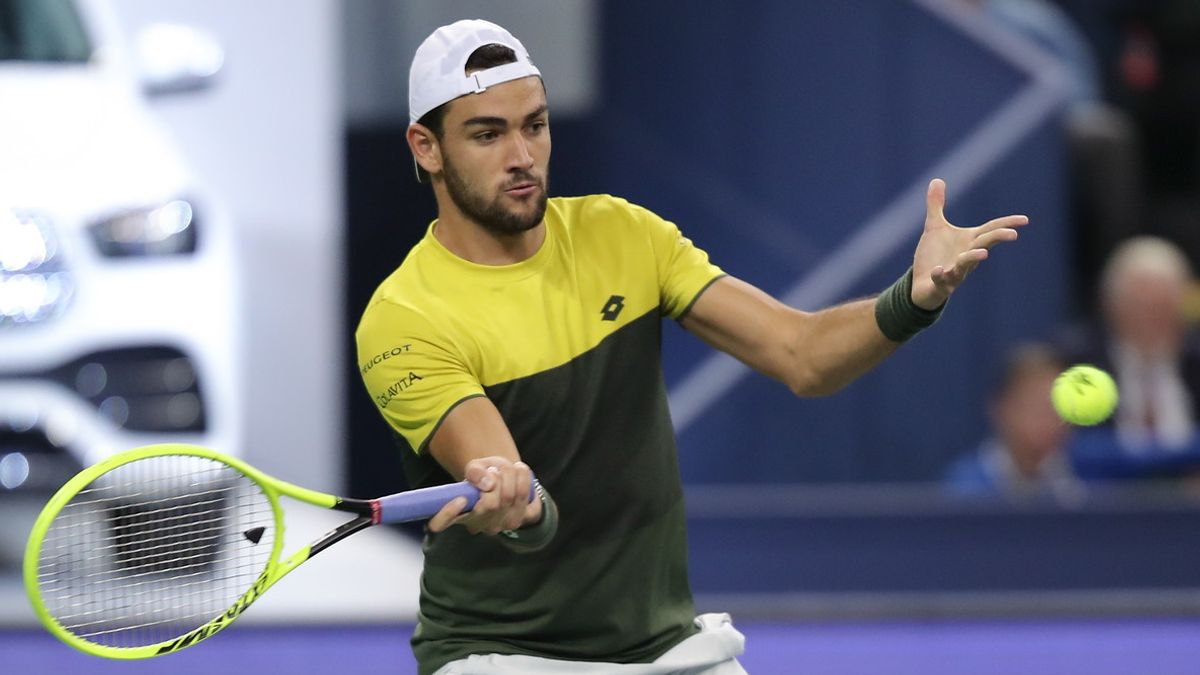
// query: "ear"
[[425, 148]]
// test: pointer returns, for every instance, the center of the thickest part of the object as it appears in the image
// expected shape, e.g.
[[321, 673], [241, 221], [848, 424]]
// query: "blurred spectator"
[[1025, 455], [1145, 341]]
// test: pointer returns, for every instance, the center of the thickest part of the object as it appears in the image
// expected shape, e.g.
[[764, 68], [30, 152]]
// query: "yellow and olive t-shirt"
[[566, 344]]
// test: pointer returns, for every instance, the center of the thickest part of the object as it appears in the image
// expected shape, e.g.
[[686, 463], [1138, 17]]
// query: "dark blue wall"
[[770, 132]]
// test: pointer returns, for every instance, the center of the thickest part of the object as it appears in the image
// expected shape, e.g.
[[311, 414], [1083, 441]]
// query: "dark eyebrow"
[[501, 122], [486, 121]]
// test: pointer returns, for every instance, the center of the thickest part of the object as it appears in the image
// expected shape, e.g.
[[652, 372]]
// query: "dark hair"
[[487, 56]]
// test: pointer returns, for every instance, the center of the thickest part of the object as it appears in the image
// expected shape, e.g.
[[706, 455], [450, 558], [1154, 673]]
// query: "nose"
[[519, 156]]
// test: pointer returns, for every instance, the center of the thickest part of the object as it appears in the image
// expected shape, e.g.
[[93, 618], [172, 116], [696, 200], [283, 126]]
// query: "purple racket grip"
[[424, 503]]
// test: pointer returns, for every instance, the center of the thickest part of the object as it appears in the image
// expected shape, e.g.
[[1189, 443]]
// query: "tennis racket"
[[160, 547]]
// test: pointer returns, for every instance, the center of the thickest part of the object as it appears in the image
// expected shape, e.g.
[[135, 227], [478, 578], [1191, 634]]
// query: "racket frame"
[[273, 571]]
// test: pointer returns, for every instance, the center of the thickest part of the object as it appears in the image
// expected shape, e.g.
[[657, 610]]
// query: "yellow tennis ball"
[[1084, 395]]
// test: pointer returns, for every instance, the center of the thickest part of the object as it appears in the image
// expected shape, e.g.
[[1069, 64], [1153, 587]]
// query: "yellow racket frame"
[[273, 572]]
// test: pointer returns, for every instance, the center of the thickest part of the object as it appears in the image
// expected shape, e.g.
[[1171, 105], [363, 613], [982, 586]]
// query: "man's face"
[[1025, 419], [1146, 312], [496, 155]]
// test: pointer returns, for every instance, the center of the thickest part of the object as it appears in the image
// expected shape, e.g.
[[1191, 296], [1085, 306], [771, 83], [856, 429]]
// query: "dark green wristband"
[[900, 318], [536, 536]]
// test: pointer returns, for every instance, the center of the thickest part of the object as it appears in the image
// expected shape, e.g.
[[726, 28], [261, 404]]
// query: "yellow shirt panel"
[[440, 329]]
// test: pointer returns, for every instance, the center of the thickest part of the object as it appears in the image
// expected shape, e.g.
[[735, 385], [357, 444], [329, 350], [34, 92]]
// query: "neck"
[[473, 242]]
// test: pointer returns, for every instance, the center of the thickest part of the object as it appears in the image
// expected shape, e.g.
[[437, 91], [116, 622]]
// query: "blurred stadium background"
[[215, 206]]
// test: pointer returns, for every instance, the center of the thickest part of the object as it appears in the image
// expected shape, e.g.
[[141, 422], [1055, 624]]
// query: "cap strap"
[[493, 76]]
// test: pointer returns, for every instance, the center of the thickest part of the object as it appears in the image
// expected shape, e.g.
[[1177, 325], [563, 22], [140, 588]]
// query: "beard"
[[491, 214]]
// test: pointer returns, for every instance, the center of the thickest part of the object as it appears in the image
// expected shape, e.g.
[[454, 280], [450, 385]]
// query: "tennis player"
[[524, 331]]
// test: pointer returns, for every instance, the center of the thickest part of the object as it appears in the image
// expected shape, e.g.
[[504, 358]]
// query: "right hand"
[[503, 500]]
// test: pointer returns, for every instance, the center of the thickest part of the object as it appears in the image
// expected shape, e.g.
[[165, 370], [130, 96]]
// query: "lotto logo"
[[613, 308]]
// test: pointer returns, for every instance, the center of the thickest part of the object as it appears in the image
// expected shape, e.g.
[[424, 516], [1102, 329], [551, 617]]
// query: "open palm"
[[947, 254]]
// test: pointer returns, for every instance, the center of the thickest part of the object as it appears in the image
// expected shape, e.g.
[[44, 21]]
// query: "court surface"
[[1059, 647]]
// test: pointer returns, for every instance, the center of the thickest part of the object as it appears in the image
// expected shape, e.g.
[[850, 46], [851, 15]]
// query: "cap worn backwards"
[[438, 73]]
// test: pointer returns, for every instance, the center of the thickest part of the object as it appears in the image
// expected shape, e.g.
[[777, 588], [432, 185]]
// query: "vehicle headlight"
[[169, 229], [33, 282]]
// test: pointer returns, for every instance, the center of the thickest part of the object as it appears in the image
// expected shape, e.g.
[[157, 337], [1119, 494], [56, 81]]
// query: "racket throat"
[[364, 508], [368, 513]]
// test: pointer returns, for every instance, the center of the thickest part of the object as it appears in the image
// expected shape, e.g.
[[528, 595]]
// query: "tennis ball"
[[1084, 395]]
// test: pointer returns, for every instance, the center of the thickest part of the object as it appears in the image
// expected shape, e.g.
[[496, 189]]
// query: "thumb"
[[935, 199]]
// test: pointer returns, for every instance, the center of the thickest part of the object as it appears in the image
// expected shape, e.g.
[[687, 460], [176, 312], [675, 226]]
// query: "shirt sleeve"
[[684, 271], [414, 377]]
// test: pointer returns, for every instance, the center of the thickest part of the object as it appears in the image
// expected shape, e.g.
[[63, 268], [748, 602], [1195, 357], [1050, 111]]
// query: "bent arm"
[[472, 430], [813, 353], [474, 443]]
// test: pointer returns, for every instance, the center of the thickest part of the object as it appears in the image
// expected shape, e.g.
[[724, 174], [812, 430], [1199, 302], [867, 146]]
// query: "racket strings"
[[152, 579], [154, 549], [145, 492], [126, 541], [127, 556]]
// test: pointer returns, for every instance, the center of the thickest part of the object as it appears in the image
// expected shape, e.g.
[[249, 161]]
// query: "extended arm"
[[817, 353], [814, 354]]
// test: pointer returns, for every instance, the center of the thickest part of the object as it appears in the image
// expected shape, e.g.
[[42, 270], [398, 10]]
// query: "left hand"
[[947, 254]]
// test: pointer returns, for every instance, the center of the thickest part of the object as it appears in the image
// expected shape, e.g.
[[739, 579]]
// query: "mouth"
[[521, 189]]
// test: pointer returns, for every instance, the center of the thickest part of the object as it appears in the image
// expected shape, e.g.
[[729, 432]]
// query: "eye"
[[486, 136], [536, 127]]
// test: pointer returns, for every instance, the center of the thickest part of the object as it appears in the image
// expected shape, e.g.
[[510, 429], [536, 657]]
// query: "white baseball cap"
[[438, 69]]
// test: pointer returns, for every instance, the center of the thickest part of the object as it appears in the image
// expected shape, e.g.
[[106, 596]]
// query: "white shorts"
[[712, 651]]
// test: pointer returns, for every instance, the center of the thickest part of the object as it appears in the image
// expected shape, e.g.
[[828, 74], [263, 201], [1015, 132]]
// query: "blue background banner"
[[773, 132]]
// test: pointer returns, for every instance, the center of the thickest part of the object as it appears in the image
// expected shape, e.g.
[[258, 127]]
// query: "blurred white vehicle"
[[118, 296]]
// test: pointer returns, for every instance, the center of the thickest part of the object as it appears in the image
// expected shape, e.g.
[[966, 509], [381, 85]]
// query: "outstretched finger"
[[966, 263], [990, 239], [949, 278], [1004, 222], [969, 260]]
